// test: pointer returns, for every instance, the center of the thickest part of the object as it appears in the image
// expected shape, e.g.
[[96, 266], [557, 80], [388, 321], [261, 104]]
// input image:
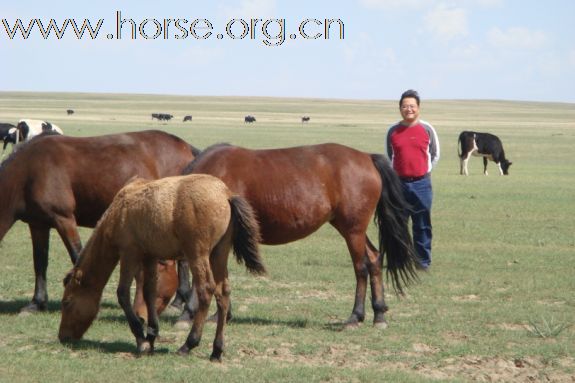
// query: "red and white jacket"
[[413, 150]]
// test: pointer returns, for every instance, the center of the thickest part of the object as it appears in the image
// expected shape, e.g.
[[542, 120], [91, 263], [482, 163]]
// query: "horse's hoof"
[[183, 351], [183, 325], [381, 325], [215, 359]]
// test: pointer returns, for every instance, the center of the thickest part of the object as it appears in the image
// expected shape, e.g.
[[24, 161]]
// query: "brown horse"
[[296, 190], [63, 182], [195, 218]]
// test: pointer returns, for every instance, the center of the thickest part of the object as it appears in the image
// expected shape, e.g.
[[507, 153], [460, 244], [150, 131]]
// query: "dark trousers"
[[419, 195]]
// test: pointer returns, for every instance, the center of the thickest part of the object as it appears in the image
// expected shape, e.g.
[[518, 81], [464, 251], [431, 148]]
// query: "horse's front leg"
[[127, 272], [40, 245], [149, 291], [183, 285]]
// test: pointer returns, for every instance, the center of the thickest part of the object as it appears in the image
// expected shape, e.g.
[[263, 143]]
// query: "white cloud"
[[516, 37], [446, 24]]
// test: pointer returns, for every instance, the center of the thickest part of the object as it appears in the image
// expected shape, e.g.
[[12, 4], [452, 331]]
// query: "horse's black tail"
[[246, 235], [391, 218]]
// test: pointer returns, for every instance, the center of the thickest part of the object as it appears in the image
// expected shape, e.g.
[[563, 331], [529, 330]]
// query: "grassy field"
[[498, 305]]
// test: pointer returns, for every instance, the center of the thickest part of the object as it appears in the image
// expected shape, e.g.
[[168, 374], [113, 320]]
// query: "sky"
[[373, 49]]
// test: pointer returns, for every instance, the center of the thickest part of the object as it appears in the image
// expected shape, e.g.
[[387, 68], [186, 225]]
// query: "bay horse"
[[196, 218], [63, 182], [294, 191]]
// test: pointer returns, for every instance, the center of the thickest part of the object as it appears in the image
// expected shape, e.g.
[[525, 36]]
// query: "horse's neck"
[[98, 259]]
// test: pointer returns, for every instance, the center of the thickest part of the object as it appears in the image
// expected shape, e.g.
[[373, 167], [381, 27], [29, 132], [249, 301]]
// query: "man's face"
[[409, 109]]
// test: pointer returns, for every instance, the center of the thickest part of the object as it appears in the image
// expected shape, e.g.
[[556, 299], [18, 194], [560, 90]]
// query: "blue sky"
[[466, 49]]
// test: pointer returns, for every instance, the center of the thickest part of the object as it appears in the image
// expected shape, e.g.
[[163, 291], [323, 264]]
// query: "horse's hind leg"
[[377, 290], [204, 285], [219, 262], [356, 243], [127, 273]]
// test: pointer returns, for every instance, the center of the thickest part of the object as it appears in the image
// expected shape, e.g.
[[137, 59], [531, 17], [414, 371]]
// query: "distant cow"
[[304, 119], [483, 145], [69, 112], [187, 118], [249, 119], [162, 116]]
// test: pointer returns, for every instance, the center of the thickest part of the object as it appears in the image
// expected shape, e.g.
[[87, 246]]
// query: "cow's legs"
[[40, 245], [500, 170], [463, 163], [485, 166]]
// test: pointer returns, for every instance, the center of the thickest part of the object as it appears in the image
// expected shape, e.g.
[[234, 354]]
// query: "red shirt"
[[412, 149]]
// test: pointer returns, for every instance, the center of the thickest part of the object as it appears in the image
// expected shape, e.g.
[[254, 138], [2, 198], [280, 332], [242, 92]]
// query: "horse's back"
[[160, 215], [296, 190], [81, 175]]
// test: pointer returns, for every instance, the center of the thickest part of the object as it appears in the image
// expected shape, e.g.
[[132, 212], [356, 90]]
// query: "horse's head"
[[79, 307]]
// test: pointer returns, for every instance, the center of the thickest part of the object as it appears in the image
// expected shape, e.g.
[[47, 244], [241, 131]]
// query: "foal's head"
[[79, 307]]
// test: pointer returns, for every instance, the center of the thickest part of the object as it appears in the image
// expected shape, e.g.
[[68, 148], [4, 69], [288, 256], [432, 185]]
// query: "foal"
[[194, 218]]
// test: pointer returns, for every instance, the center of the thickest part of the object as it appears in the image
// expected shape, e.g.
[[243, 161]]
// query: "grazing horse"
[[63, 182], [196, 218], [294, 191]]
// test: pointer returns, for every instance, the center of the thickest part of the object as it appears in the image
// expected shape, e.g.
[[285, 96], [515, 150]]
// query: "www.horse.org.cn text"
[[271, 32]]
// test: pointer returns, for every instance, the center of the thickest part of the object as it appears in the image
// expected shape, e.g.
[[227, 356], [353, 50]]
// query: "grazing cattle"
[[483, 145], [249, 119], [196, 218], [6, 136], [162, 116], [187, 118], [69, 112], [63, 182], [304, 119]]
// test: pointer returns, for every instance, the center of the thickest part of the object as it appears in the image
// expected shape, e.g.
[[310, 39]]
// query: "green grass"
[[503, 260]]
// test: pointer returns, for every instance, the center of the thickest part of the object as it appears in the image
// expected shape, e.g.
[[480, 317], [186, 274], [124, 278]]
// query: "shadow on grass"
[[109, 347], [14, 306]]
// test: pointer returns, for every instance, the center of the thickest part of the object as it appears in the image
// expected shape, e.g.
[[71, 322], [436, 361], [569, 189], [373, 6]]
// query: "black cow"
[[187, 118], [162, 116], [69, 112], [304, 119], [249, 119], [483, 145]]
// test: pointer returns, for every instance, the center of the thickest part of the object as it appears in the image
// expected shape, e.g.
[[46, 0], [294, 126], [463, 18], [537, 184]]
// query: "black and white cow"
[[27, 129], [484, 145]]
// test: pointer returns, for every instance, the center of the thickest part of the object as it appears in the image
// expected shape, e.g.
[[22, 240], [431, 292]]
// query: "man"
[[413, 147]]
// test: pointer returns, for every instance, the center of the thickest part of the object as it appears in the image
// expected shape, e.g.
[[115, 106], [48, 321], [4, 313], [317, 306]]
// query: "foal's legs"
[[128, 271], [204, 285]]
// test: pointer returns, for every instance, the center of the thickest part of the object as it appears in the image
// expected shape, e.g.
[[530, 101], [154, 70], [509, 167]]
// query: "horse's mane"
[[201, 154]]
